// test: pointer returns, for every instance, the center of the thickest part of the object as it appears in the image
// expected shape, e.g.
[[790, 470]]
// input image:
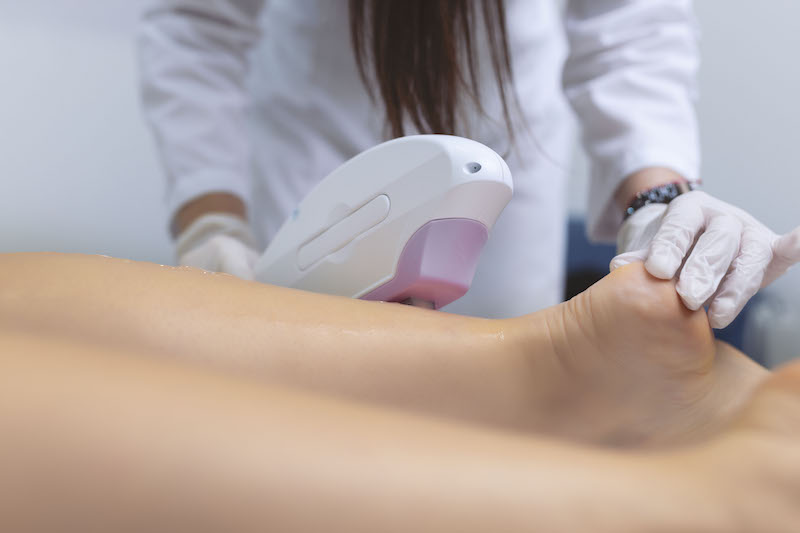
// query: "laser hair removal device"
[[403, 221]]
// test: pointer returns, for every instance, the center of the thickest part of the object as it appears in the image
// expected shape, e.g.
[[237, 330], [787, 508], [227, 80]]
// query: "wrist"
[[210, 225], [568, 389], [218, 202], [642, 180]]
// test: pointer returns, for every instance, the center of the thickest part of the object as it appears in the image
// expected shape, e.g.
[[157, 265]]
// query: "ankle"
[[550, 342], [530, 349]]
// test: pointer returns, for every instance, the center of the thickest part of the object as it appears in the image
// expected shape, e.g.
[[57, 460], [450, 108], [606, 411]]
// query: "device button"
[[340, 234]]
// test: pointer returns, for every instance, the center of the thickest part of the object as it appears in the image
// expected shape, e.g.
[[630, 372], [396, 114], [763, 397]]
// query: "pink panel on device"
[[437, 263]]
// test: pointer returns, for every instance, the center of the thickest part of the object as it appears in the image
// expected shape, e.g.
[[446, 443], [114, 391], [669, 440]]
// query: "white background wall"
[[77, 167], [79, 173]]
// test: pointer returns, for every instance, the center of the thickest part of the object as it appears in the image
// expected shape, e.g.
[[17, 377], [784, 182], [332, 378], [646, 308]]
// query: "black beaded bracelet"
[[663, 194]]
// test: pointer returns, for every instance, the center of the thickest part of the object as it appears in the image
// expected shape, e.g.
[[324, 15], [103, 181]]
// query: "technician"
[[253, 102]]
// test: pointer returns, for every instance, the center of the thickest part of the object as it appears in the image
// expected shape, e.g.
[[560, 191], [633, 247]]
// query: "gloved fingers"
[[788, 246], [636, 256], [638, 230], [674, 238], [235, 257], [743, 280], [709, 261], [786, 253]]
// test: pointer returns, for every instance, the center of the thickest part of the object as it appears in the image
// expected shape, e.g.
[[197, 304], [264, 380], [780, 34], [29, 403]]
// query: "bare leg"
[[386, 353], [755, 461], [102, 440], [624, 363]]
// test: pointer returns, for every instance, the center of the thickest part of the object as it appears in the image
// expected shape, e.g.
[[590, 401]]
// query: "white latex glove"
[[721, 254], [220, 243]]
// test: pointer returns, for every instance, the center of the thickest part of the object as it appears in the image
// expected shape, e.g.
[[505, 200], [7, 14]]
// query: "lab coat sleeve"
[[631, 79], [193, 57]]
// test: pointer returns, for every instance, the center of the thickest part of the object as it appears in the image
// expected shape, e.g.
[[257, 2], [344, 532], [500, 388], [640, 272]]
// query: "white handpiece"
[[406, 219]]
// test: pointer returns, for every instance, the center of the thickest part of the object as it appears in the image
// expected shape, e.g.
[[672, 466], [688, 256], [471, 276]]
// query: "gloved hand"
[[218, 242], [733, 255]]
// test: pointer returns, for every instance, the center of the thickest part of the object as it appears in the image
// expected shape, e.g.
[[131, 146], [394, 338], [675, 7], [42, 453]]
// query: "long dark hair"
[[423, 58]]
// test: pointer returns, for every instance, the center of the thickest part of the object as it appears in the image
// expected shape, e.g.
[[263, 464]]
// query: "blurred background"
[[79, 170]]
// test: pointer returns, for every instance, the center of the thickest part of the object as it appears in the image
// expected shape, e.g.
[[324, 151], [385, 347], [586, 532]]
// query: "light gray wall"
[[77, 167]]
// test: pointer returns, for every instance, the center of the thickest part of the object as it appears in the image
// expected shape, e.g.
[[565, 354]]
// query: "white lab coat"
[[263, 100]]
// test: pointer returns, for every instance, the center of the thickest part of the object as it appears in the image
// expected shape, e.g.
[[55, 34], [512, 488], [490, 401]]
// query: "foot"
[[640, 368]]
